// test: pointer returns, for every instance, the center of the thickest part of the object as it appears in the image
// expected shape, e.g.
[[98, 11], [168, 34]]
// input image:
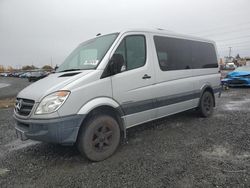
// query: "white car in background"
[[231, 66]]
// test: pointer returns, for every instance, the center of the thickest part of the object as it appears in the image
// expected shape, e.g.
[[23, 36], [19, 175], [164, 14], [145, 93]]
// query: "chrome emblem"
[[19, 105]]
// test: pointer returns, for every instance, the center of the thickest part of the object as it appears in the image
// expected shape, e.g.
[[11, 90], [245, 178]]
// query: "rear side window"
[[180, 54], [203, 55], [133, 50]]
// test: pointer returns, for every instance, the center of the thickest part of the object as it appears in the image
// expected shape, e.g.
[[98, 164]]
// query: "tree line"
[[24, 68]]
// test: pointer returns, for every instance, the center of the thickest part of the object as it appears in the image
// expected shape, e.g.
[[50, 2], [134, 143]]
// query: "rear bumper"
[[63, 130]]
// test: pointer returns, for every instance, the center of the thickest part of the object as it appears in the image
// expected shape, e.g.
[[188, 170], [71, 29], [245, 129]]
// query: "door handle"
[[146, 76]]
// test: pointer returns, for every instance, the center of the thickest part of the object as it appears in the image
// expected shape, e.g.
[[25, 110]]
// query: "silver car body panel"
[[50, 84]]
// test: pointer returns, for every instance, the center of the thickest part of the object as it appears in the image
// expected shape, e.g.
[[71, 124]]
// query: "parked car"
[[5, 74], [24, 75], [10, 74], [17, 74], [230, 66], [238, 77], [34, 76], [116, 81]]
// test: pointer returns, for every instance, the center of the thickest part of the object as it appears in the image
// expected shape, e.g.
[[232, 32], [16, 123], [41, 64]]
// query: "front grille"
[[23, 107]]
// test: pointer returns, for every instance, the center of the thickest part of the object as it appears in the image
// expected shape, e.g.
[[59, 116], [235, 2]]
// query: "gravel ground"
[[178, 151], [14, 86]]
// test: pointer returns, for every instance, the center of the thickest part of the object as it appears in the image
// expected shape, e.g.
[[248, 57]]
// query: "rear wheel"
[[206, 106], [99, 138]]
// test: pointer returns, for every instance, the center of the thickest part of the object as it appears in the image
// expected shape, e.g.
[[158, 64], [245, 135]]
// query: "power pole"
[[51, 64], [230, 49]]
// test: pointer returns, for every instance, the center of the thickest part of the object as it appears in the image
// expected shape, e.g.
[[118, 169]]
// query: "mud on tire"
[[99, 137], [206, 106]]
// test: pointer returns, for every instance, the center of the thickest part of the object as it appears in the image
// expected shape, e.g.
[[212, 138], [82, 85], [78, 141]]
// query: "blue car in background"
[[239, 77]]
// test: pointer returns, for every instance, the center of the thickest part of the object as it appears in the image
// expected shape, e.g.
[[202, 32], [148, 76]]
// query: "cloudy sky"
[[36, 31]]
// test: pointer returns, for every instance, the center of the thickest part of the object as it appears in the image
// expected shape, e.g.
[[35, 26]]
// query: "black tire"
[[99, 138], [206, 106]]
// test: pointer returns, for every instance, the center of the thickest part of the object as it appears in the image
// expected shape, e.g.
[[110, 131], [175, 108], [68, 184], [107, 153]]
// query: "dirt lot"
[[178, 151]]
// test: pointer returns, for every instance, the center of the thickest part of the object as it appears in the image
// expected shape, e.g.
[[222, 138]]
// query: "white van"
[[114, 82]]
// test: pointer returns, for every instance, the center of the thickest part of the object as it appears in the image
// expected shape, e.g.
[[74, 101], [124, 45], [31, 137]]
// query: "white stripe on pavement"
[[2, 85]]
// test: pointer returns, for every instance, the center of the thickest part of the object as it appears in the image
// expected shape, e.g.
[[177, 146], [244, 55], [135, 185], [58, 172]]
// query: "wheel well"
[[107, 110], [209, 89]]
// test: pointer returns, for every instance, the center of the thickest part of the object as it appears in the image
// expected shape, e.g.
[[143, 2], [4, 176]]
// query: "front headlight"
[[52, 102]]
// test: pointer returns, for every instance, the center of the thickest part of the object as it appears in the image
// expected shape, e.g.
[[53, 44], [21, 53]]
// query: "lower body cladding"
[[136, 113], [62, 130]]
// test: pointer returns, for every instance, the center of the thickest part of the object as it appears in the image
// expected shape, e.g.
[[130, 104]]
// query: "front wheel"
[[99, 138], [206, 106]]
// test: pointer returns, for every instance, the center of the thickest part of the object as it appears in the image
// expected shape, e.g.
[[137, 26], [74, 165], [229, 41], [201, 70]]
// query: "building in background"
[[247, 61]]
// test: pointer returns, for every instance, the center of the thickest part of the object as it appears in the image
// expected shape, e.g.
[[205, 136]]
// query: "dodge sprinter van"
[[116, 81]]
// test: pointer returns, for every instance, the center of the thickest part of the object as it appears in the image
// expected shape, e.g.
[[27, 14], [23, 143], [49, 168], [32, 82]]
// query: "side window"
[[203, 55], [173, 54], [179, 54], [133, 50], [163, 60]]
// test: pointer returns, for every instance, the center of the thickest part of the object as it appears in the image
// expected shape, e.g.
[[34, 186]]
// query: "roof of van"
[[167, 33]]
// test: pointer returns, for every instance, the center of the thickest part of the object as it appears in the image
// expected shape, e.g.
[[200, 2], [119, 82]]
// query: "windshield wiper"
[[68, 70]]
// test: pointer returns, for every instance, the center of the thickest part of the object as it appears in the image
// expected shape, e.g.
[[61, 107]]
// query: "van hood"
[[50, 84]]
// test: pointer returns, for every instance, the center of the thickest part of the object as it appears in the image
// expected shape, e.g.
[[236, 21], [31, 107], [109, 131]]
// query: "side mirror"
[[116, 63]]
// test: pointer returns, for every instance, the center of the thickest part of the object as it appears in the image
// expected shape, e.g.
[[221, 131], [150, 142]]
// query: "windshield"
[[88, 54], [243, 68]]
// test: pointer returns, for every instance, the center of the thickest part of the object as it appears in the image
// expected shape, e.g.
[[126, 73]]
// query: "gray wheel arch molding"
[[99, 102]]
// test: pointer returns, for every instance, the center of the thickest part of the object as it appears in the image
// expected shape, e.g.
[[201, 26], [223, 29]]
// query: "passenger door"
[[174, 88], [132, 87]]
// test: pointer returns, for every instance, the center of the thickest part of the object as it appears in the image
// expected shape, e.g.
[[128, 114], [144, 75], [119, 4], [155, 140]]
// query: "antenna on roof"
[[98, 34]]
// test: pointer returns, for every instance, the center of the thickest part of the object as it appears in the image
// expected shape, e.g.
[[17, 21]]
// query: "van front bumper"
[[63, 130]]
